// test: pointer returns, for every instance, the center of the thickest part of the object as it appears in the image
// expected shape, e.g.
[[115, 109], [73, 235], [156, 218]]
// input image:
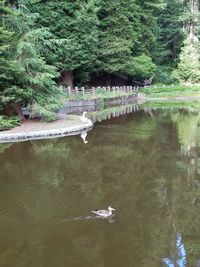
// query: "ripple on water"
[[15, 196]]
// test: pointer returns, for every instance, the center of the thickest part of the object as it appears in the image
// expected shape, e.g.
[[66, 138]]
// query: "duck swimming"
[[104, 213]]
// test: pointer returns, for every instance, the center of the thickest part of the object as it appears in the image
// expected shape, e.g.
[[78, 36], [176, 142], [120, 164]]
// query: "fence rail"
[[96, 90]]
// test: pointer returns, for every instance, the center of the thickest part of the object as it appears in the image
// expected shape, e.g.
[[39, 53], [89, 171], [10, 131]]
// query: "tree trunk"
[[14, 109], [192, 26], [67, 78], [108, 79]]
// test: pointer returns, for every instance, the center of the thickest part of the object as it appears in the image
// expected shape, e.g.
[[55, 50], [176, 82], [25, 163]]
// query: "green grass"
[[172, 90], [190, 105], [100, 94]]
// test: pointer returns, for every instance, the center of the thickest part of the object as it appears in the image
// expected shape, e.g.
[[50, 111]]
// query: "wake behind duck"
[[99, 214]]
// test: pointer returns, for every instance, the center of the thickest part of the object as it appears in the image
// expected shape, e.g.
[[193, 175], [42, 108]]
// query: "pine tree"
[[149, 10], [8, 67], [35, 84], [118, 34], [189, 66], [170, 34], [74, 26]]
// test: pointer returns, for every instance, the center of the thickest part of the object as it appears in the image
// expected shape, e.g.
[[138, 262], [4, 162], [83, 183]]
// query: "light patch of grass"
[[190, 105], [172, 90], [100, 94]]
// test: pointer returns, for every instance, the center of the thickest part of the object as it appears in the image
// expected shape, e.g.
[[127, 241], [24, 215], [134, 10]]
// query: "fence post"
[[103, 89], [76, 89], [69, 90], [83, 90], [93, 90]]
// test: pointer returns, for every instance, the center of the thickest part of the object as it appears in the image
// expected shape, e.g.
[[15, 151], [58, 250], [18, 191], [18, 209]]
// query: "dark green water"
[[146, 165]]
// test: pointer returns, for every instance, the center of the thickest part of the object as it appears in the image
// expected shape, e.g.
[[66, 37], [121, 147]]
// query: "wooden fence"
[[97, 90]]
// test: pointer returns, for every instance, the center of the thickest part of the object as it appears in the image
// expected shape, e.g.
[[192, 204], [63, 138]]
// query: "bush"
[[166, 75], [141, 67], [42, 113], [189, 67], [8, 123]]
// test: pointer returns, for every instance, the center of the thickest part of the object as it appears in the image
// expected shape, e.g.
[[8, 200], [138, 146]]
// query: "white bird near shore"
[[104, 213], [84, 119]]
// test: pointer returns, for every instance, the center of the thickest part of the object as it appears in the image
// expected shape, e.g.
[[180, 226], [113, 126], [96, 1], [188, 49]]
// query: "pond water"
[[145, 164]]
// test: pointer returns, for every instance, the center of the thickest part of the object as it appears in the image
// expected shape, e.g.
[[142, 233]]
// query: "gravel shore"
[[35, 129]]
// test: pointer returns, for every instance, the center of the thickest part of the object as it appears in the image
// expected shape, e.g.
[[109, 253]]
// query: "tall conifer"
[[118, 33], [74, 25], [35, 84]]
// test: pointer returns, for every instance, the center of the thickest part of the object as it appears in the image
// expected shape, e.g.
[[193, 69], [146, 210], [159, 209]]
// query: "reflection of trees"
[[178, 255], [183, 191], [51, 151], [3, 147], [187, 124]]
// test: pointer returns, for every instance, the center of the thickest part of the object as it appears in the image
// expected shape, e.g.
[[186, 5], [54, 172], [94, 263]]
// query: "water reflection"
[[83, 136], [109, 219], [178, 257], [144, 163]]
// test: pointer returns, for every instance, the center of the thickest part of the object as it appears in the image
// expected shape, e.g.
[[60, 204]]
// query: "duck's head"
[[84, 113], [110, 208]]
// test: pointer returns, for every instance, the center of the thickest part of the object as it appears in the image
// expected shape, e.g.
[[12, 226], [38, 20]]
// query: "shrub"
[[141, 67], [8, 123]]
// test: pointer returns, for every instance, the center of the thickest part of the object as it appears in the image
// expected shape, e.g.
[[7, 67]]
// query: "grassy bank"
[[172, 91], [100, 94], [193, 106]]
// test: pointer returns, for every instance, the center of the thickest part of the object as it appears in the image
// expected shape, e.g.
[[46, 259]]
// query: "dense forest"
[[48, 44]]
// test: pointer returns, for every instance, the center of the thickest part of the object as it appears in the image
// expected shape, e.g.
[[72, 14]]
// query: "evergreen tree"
[[8, 67], [74, 25], [149, 12], [35, 85], [118, 34], [170, 34], [189, 67], [141, 68]]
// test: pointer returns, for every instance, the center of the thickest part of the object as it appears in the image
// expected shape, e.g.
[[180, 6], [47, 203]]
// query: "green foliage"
[[8, 66], [8, 123], [166, 75], [189, 67], [74, 27], [141, 67], [118, 33], [160, 90], [36, 82], [170, 33], [41, 41], [148, 26]]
